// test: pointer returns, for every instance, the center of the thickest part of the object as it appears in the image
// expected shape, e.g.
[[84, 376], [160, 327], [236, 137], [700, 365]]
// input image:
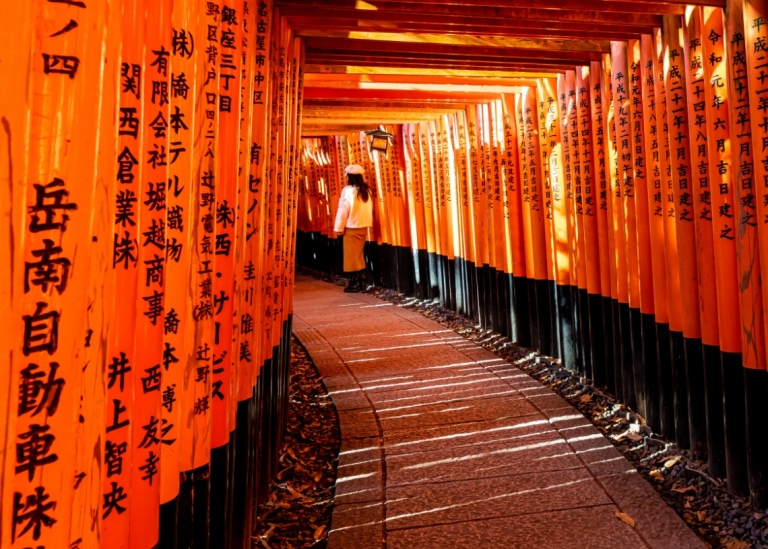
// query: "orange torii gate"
[[588, 183]]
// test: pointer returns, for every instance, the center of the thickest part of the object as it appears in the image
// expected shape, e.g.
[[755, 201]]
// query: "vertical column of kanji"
[[415, 206], [548, 232], [502, 267], [604, 344], [571, 347], [89, 504], [689, 387], [451, 223], [554, 92], [513, 227], [399, 212], [256, 202], [120, 366], [719, 148], [756, 378], [576, 198], [593, 319], [668, 370], [525, 214], [551, 163], [290, 221], [51, 190], [150, 323], [279, 289], [747, 252], [536, 217], [653, 138], [425, 166], [169, 432], [467, 222], [486, 191], [704, 352], [438, 200], [220, 365], [632, 362], [474, 208], [643, 329], [611, 310], [624, 212], [240, 416], [486, 137], [544, 149], [461, 156], [16, 32]]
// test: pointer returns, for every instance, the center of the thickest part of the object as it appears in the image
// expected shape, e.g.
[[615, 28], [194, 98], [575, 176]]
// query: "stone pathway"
[[445, 445]]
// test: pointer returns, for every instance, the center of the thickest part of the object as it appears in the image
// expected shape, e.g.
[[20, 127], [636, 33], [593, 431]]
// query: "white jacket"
[[353, 213]]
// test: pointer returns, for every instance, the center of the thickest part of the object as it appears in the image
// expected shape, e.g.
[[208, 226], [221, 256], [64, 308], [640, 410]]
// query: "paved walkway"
[[445, 445]]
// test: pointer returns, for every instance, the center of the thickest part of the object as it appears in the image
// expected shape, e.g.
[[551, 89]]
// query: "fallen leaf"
[[585, 398], [701, 515], [320, 532], [625, 518], [685, 490], [671, 462], [635, 438], [737, 544], [658, 475]]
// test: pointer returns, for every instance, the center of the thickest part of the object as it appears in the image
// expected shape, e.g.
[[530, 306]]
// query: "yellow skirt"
[[354, 241]]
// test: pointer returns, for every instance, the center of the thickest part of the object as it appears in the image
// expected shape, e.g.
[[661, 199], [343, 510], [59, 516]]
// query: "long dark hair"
[[363, 190]]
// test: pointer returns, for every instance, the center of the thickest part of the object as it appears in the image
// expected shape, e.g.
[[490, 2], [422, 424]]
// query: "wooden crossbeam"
[[548, 45], [584, 12], [316, 46], [310, 69]]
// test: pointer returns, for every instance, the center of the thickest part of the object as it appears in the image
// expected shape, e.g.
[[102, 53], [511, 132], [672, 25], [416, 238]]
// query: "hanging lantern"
[[379, 140]]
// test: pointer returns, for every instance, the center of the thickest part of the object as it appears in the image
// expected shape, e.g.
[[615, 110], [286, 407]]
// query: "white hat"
[[354, 168]]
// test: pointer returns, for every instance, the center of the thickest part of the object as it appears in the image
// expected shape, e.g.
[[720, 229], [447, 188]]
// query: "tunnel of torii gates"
[[588, 178]]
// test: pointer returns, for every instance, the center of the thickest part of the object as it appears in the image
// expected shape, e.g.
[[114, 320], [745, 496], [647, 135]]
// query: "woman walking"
[[354, 218]]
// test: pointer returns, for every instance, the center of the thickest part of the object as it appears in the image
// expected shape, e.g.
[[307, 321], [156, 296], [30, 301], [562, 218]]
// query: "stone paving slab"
[[446, 445]]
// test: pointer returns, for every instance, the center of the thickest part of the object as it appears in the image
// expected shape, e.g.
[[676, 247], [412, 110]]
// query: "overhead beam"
[[642, 17], [354, 69], [314, 79], [316, 46], [441, 63], [569, 31], [495, 42], [343, 93]]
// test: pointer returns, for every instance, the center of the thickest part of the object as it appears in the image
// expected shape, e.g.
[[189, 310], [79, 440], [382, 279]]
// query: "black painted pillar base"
[[220, 481], [697, 408], [638, 366], [618, 364], [520, 285], [585, 336], [756, 384], [666, 424], [609, 354], [557, 336], [544, 315], [533, 315], [627, 357], [597, 344], [566, 327], [713, 379], [576, 322], [680, 384], [651, 369], [735, 421], [169, 513]]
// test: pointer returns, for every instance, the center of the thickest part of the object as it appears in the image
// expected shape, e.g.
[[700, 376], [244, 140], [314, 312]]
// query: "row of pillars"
[[147, 213], [612, 217]]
